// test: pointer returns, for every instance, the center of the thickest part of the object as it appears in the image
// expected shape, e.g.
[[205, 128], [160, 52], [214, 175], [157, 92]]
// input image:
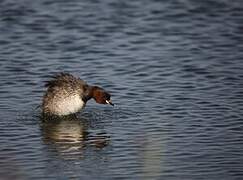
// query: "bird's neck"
[[90, 93]]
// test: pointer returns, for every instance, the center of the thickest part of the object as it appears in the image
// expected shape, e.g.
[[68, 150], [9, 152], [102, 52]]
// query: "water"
[[174, 69]]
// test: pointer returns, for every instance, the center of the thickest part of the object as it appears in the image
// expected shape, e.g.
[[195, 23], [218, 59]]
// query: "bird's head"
[[101, 96]]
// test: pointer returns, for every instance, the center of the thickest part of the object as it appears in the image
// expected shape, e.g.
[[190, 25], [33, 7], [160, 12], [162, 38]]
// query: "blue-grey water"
[[175, 72]]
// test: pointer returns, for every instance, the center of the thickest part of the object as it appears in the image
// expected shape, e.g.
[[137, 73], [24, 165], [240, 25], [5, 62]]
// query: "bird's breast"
[[69, 105]]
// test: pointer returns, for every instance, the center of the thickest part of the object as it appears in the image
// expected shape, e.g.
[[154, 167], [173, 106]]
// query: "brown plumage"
[[67, 94]]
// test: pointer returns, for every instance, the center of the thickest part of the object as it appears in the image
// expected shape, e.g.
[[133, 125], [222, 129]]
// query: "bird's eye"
[[106, 96]]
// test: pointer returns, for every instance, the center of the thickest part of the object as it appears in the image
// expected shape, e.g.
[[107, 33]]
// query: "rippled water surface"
[[175, 72]]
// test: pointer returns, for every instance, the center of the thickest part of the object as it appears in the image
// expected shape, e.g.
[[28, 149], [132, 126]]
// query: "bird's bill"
[[109, 102]]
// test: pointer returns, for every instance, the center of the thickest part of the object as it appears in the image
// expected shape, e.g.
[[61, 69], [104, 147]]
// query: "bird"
[[67, 94]]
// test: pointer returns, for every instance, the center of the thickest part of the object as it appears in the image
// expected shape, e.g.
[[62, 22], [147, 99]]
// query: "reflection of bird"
[[67, 94], [70, 135], [67, 131]]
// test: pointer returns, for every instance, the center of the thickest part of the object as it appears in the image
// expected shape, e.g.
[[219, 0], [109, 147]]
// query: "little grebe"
[[67, 94]]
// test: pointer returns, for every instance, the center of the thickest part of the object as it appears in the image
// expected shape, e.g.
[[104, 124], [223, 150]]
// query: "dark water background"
[[175, 71]]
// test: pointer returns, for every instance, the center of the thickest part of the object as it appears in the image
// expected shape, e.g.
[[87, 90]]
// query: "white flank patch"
[[69, 105]]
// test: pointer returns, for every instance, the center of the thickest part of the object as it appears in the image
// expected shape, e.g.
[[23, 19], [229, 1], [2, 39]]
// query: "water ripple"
[[174, 70]]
